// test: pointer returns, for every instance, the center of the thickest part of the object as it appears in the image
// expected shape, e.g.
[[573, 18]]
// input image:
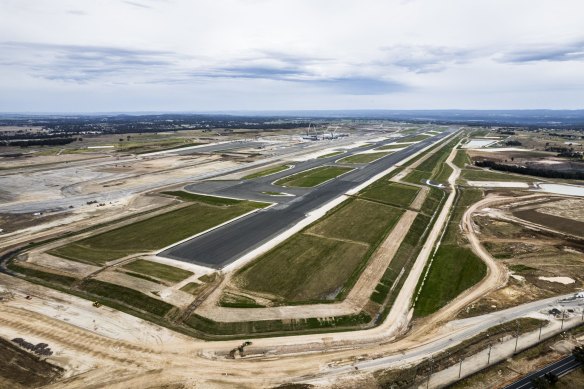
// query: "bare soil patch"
[[20, 369]]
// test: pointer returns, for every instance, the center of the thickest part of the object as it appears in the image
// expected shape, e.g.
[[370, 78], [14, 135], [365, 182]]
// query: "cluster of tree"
[[545, 381], [578, 353], [565, 136], [557, 149], [38, 142], [504, 131], [532, 171], [123, 124], [571, 154], [28, 136], [513, 143]]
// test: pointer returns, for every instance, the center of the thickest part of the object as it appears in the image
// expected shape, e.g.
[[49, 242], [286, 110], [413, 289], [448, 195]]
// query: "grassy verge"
[[461, 159], [403, 259], [156, 232], [158, 270], [52, 278], [434, 167], [192, 288], [443, 174], [276, 326], [313, 177], [214, 200], [331, 154], [238, 301], [321, 261], [391, 193], [487, 175], [266, 172], [417, 138], [363, 158], [454, 269], [118, 297], [126, 296], [143, 277], [392, 147], [465, 198]]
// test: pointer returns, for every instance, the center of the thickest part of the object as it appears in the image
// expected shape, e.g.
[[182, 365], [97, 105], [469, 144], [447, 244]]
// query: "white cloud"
[[83, 55]]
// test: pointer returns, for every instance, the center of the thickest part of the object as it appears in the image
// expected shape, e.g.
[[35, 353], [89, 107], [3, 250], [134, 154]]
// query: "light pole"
[[489, 357], [563, 312], [429, 375], [540, 327], [460, 367], [516, 336]]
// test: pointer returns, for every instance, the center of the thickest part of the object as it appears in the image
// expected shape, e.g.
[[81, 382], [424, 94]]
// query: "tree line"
[[532, 171]]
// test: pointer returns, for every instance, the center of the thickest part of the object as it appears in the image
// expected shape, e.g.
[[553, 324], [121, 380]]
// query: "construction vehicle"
[[239, 349]]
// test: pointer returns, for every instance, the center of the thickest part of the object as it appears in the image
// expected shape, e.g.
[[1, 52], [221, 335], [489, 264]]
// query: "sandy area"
[[570, 190], [561, 280], [498, 184]]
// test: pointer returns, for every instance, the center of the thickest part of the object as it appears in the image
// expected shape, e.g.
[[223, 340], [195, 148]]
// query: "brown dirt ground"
[[528, 254], [20, 369]]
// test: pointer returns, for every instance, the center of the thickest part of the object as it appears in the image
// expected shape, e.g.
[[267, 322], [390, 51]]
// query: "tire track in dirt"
[[52, 330]]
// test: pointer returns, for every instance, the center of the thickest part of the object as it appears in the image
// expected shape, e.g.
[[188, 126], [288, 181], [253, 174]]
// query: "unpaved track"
[[127, 364], [496, 277]]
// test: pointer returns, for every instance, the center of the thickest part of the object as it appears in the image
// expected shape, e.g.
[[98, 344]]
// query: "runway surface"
[[221, 246]]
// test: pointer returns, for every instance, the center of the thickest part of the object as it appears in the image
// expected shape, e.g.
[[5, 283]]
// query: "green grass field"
[[158, 270], [361, 221], [443, 174], [317, 263], [453, 270], [392, 147], [487, 175], [313, 177], [417, 138], [461, 159], [126, 296], [466, 198], [266, 172], [192, 288], [332, 154], [417, 177], [434, 166], [389, 192], [156, 232], [303, 268], [363, 158], [276, 327]]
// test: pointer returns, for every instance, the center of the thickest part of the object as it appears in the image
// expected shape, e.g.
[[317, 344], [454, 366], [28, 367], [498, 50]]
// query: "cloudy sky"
[[202, 55]]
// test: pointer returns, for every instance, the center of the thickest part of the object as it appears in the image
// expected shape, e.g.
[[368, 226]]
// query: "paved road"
[[559, 368], [224, 245]]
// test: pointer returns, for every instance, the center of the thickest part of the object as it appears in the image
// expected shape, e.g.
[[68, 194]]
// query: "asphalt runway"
[[559, 368], [220, 247]]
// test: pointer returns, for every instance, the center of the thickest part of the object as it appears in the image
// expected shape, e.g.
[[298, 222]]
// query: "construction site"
[[338, 253]]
